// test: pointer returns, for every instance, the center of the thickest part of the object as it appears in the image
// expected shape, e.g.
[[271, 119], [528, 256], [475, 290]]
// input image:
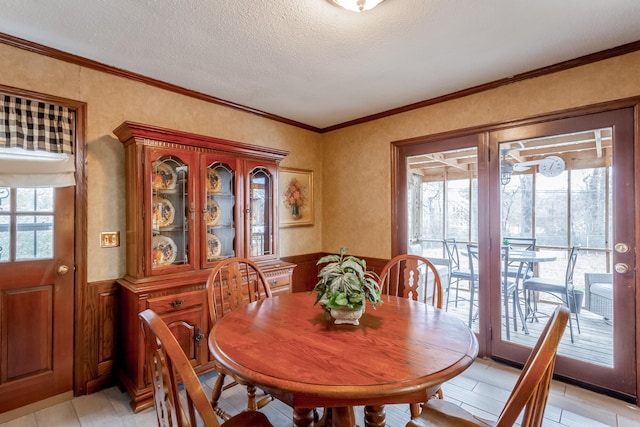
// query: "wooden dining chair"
[[166, 365], [413, 277], [233, 283], [529, 393]]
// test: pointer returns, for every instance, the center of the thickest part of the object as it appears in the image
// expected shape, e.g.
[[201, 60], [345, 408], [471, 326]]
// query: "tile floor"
[[482, 389]]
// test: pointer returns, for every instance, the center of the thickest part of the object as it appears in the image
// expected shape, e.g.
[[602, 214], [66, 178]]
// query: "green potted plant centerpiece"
[[345, 286]]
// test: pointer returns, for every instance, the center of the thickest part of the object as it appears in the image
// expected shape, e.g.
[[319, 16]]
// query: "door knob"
[[621, 267], [63, 269]]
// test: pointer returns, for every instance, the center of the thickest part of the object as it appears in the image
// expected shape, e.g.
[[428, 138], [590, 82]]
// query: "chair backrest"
[[412, 276], [233, 283], [517, 274], [504, 260], [523, 243], [472, 253], [571, 266], [452, 253], [532, 388], [443, 265], [166, 361]]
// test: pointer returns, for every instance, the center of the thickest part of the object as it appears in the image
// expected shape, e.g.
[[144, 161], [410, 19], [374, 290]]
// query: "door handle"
[[63, 269]]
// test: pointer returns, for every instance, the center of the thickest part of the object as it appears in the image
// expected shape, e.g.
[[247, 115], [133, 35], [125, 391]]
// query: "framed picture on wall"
[[295, 197]]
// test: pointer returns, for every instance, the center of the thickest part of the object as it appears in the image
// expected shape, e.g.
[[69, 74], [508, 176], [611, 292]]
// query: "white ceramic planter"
[[346, 316]]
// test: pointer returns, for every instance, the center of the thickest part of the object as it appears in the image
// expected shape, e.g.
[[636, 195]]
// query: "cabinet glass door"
[[170, 208], [218, 212], [261, 188]]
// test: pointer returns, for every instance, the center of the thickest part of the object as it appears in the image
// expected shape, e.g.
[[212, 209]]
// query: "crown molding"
[[98, 66], [84, 62]]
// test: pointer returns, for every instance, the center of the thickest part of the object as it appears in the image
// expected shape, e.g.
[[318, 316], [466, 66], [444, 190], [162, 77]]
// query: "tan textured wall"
[[351, 166], [112, 100], [357, 199]]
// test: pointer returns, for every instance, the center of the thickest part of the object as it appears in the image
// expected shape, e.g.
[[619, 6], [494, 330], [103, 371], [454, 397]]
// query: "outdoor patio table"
[[531, 256]]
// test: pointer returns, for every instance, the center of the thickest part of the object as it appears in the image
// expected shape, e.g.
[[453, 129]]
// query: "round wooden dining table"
[[401, 352]]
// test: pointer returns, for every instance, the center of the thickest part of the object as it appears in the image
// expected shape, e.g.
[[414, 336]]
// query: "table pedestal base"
[[374, 416]]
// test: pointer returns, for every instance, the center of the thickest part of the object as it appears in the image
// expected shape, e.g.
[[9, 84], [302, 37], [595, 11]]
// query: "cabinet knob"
[[177, 303]]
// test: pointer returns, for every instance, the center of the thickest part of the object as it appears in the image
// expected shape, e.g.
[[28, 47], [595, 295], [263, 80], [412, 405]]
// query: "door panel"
[[588, 204], [28, 357], [36, 295]]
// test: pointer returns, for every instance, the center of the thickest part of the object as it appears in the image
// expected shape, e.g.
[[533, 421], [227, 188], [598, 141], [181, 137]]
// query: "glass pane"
[[34, 239], [5, 243], [34, 199], [5, 200], [517, 206], [589, 207], [552, 210], [557, 190], [446, 208], [432, 210], [261, 188], [219, 210], [170, 205], [459, 209]]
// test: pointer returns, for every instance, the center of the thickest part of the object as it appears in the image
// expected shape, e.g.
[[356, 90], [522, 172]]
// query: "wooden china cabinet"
[[192, 200]]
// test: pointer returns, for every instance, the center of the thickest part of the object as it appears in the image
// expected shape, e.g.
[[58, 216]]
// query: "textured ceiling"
[[314, 63]]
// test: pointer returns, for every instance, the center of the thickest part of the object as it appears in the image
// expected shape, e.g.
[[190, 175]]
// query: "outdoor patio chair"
[[472, 253], [457, 272], [564, 291], [524, 244], [598, 294], [511, 290]]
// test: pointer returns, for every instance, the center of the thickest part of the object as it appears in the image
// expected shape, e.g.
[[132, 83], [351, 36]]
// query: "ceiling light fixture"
[[357, 5], [506, 167]]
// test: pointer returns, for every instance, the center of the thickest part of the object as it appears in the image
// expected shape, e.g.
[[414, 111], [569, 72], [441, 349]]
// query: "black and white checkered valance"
[[33, 125]]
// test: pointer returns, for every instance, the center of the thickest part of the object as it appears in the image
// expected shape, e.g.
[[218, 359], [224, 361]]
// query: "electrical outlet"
[[109, 239]]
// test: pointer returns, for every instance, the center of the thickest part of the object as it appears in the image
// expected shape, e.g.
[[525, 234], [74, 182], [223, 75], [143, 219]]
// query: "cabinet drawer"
[[175, 302], [279, 284]]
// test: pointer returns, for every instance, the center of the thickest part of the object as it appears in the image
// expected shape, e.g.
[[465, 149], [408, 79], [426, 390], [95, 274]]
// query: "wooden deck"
[[594, 343]]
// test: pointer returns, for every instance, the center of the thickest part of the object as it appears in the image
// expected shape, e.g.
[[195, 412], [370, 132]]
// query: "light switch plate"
[[109, 239]]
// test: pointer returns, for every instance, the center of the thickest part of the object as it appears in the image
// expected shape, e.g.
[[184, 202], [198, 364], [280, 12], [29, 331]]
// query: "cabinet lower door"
[[189, 326]]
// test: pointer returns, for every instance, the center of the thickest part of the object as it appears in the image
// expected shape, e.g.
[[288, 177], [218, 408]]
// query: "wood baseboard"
[[34, 407]]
